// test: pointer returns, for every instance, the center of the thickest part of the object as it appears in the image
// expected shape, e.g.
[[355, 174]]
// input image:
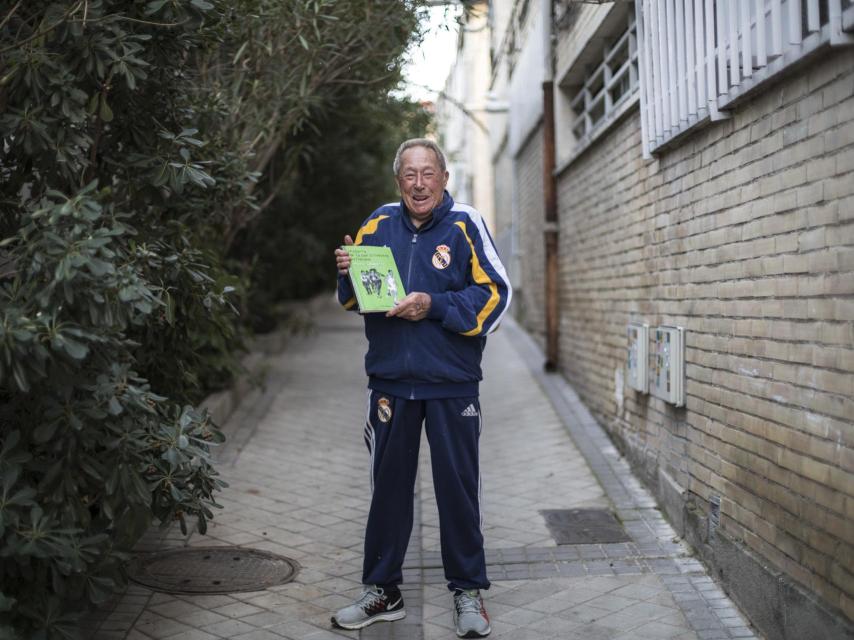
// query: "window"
[[698, 56], [607, 85]]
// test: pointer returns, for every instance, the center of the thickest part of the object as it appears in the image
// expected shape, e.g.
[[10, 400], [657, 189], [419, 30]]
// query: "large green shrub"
[[106, 298], [138, 140], [91, 455]]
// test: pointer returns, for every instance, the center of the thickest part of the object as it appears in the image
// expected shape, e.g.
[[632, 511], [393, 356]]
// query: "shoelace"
[[467, 602], [370, 597]]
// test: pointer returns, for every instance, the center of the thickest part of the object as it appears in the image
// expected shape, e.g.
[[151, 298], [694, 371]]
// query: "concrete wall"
[[526, 79], [529, 301], [505, 207], [744, 235]]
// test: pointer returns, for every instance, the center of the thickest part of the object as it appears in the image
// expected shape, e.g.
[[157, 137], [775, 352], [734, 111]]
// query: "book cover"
[[375, 278]]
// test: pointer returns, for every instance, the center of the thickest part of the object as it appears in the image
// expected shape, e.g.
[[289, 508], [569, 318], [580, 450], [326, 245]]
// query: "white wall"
[[526, 80]]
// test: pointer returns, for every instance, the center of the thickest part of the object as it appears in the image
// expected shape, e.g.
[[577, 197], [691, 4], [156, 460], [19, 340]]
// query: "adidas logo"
[[469, 412]]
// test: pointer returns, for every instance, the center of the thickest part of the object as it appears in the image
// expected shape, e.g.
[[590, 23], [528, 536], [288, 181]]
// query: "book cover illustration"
[[375, 278]]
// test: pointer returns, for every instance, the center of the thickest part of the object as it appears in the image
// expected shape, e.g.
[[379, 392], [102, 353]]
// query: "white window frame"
[[699, 57], [584, 103]]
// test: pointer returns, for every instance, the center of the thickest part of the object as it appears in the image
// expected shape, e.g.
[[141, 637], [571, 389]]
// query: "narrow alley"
[[299, 487]]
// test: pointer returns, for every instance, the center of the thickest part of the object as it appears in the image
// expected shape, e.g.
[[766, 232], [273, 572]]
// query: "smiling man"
[[423, 365]]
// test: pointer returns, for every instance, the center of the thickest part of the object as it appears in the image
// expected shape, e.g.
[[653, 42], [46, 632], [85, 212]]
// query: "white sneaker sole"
[[388, 616], [474, 634]]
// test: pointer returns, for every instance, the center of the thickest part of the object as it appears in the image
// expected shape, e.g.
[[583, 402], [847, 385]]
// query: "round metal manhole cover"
[[212, 570]]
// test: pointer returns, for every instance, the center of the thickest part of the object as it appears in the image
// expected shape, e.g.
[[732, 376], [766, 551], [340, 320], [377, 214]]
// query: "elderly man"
[[423, 364]]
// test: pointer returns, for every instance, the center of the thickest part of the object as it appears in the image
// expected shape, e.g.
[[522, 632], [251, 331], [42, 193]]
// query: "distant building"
[[461, 110]]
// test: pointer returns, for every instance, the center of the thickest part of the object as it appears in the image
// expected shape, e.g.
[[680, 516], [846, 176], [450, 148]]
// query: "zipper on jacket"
[[411, 253], [409, 288]]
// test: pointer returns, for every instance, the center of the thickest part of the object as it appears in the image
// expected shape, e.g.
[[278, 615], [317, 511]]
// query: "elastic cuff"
[[438, 306], [455, 586], [344, 289]]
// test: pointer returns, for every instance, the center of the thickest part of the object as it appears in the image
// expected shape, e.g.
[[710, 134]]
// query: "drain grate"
[[584, 526], [212, 570]]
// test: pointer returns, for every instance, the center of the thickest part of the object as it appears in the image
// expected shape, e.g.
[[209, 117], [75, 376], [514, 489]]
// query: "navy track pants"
[[393, 436]]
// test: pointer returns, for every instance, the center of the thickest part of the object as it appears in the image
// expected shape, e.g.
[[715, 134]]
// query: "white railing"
[[607, 85], [698, 56]]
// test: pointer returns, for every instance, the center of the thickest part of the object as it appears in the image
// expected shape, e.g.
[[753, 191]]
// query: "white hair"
[[419, 142]]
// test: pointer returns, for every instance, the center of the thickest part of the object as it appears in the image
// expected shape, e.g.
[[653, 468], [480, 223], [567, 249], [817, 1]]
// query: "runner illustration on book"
[[376, 282], [391, 286], [366, 282]]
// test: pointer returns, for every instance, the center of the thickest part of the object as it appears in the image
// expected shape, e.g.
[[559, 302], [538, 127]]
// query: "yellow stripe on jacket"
[[480, 277], [369, 228]]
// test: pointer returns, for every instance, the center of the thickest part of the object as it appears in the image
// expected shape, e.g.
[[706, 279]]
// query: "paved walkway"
[[299, 487]]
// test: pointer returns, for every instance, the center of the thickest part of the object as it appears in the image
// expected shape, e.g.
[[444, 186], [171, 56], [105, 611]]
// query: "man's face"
[[421, 183]]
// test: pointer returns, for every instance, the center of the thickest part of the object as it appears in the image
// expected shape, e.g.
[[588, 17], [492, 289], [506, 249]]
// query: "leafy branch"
[[42, 32]]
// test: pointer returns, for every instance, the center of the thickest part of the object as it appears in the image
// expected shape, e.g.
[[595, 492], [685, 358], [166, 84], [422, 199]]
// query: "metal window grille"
[[698, 56], [608, 85]]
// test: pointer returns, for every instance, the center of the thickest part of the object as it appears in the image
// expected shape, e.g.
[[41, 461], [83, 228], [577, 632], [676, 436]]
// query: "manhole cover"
[[584, 526], [212, 570]]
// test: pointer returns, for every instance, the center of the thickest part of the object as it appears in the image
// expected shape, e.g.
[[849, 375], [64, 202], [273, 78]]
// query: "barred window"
[[607, 85], [699, 56]]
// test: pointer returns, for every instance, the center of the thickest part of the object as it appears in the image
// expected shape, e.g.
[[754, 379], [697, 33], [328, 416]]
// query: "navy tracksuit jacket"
[[428, 372]]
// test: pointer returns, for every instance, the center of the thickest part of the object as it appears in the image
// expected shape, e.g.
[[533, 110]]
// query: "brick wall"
[[744, 235], [529, 298]]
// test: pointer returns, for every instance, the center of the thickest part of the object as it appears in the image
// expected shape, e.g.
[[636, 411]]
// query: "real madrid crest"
[[442, 256], [383, 409]]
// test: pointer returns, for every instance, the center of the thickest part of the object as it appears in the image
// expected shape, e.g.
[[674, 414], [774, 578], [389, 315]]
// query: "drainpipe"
[[550, 191]]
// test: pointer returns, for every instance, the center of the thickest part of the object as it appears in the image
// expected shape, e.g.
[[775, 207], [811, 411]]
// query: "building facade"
[[462, 109], [704, 168]]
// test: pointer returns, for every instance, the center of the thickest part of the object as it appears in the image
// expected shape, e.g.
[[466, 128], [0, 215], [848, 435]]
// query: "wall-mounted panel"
[[667, 364]]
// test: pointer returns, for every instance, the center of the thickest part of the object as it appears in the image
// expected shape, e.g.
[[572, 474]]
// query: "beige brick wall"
[[529, 297], [744, 235]]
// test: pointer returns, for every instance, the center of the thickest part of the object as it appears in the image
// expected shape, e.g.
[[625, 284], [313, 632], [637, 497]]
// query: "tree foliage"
[[143, 145], [347, 175]]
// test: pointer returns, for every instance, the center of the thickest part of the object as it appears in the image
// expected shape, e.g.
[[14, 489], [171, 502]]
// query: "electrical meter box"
[[636, 357], [667, 364]]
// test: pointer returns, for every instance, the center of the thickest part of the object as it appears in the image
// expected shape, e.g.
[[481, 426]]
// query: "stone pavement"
[[299, 487]]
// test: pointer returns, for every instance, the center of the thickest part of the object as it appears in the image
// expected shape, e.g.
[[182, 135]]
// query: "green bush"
[[142, 143], [91, 455]]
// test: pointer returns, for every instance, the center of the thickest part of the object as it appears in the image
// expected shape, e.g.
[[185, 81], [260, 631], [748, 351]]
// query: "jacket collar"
[[438, 213]]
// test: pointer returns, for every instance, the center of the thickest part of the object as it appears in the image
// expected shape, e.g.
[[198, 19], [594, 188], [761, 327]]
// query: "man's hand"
[[413, 307], [342, 258]]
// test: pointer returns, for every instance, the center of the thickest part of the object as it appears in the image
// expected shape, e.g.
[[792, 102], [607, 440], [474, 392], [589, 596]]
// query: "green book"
[[376, 280]]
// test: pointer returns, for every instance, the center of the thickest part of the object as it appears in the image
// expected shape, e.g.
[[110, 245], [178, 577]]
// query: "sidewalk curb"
[[699, 597], [222, 404]]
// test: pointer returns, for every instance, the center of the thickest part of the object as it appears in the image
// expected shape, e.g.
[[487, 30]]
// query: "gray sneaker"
[[373, 605], [470, 616]]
